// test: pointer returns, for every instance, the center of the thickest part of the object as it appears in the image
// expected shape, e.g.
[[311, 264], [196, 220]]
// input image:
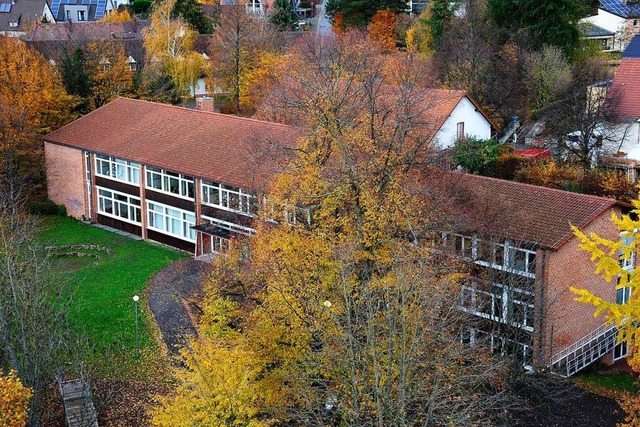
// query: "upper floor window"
[[460, 130], [170, 182], [82, 15], [118, 169], [626, 262], [502, 256], [229, 198], [522, 260]]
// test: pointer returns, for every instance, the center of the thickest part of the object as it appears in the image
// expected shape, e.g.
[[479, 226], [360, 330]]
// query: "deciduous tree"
[[382, 29], [32, 102], [169, 45], [358, 13], [238, 41], [120, 15], [109, 72], [351, 317]]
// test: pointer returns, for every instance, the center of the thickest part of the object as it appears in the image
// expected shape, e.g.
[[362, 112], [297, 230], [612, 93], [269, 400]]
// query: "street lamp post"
[[136, 298]]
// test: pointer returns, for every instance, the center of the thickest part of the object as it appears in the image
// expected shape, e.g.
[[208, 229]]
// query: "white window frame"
[[187, 234], [82, 15], [500, 300], [114, 165], [165, 187], [102, 199], [507, 263], [229, 226], [247, 201], [219, 245]]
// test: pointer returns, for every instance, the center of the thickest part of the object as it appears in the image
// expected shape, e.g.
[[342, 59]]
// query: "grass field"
[[608, 383], [103, 305]]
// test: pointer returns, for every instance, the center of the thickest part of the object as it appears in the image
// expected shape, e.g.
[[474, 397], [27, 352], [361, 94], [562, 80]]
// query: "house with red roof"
[[524, 258], [624, 95], [459, 116]]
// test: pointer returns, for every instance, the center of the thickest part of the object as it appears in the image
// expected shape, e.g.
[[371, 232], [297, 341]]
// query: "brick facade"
[[567, 320], [66, 178]]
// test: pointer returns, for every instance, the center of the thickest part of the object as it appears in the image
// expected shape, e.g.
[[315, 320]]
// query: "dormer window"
[[82, 15], [133, 66]]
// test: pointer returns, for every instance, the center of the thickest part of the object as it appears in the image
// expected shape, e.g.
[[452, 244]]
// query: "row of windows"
[[119, 205], [504, 304], [228, 197], [495, 255], [170, 182], [121, 170], [213, 194], [169, 220]]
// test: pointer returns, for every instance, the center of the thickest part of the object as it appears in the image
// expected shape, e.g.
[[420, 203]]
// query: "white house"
[[620, 17], [459, 117]]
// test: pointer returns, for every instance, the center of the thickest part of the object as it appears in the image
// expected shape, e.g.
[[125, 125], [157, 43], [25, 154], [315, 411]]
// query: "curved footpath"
[[171, 291]]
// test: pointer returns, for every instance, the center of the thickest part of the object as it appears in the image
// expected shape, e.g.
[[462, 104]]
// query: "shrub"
[[44, 206]]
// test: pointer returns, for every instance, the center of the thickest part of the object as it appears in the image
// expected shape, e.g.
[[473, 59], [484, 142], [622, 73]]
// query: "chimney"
[[134, 25], [206, 103]]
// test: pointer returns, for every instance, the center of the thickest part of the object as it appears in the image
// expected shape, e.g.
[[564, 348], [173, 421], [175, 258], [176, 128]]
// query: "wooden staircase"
[[78, 401]]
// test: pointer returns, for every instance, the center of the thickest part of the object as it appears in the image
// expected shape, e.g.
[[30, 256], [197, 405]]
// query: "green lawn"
[[103, 305], [608, 381]]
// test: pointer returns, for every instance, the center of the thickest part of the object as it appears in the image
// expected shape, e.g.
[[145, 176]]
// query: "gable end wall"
[[65, 178]]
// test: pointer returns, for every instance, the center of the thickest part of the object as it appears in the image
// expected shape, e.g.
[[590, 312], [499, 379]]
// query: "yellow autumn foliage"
[[14, 401], [117, 16], [606, 255], [215, 389]]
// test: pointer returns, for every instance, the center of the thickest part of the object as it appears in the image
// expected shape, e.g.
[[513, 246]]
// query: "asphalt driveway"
[[174, 292]]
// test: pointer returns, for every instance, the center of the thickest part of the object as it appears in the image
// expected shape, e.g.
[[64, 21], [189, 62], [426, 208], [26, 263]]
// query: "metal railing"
[[585, 351]]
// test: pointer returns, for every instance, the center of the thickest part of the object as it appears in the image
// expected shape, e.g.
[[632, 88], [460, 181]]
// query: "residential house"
[[16, 16], [620, 17], [624, 95], [457, 115], [525, 257], [605, 38], [54, 40], [83, 10], [186, 178]]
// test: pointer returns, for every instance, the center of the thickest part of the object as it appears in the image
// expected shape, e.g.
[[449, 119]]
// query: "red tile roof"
[[226, 149], [87, 31], [511, 210], [626, 89]]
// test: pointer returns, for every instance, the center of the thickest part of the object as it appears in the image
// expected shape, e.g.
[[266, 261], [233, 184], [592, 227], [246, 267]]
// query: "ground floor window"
[[219, 244], [172, 221], [119, 205], [620, 351], [517, 346]]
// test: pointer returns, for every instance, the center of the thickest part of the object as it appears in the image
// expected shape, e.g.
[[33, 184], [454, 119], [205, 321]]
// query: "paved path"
[[320, 24], [171, 290]]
